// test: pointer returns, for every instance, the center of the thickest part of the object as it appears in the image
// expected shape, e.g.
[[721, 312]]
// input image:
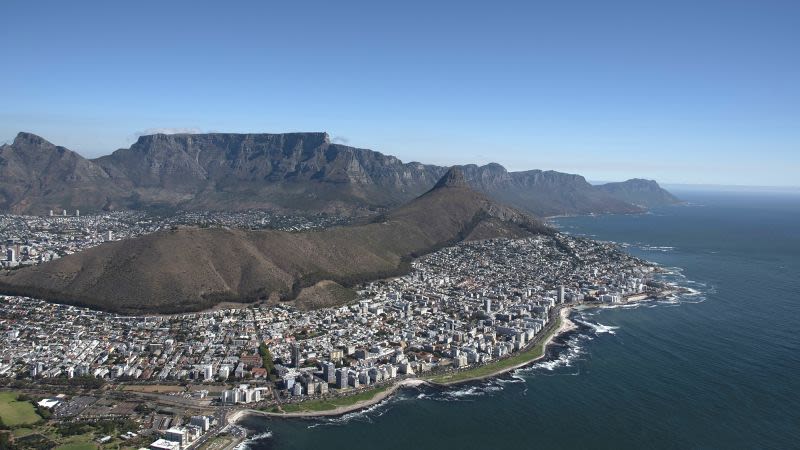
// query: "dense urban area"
[[170, 382], [30, 240]]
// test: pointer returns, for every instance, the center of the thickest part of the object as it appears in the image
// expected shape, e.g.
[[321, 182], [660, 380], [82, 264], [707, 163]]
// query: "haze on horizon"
[[682, 92]]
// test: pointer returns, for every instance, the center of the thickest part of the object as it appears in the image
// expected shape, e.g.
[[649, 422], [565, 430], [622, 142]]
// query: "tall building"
[[10, 255], [487, 305], [341, 378], [561, 294], [176, 434], [329, 372], [202, 422], [295, 355]]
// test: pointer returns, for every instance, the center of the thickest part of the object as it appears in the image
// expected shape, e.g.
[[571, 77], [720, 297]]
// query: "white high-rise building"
[[202, 422]]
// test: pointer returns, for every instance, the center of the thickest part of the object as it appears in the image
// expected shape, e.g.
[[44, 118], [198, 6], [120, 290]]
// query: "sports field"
[[14, 412]]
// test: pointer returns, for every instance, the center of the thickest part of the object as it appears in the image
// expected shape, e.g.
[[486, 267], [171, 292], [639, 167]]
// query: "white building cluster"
[[458, 307]]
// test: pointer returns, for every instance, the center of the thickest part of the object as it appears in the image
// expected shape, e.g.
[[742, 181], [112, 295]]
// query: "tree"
[[266, 358]]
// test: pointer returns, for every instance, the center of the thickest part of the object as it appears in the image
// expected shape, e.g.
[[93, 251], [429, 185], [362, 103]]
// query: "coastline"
[[565, 326], [237, 415]]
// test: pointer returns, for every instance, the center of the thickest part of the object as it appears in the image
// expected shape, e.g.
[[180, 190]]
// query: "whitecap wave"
[[573, 352], [513, 378], [245, 445], [598, 328], [622, 306], [462, 393], [656, 248], [362, 415]]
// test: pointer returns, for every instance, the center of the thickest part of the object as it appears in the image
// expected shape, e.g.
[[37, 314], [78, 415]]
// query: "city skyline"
[[681, 93]]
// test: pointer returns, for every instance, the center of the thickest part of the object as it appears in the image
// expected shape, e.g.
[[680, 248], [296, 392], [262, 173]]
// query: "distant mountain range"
[[291, 171], [192, 269]]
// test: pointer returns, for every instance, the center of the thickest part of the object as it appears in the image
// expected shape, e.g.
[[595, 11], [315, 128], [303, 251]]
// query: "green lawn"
[[77, 446], [14, 413], [487, 369], [19, 432], [333, 403]]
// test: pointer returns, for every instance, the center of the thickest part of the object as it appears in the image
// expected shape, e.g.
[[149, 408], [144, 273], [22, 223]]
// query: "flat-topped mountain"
[[636, 191], [293, 171], [192, 269]]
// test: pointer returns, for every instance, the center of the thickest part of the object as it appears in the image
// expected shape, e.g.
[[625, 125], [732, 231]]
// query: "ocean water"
[[716, 369]]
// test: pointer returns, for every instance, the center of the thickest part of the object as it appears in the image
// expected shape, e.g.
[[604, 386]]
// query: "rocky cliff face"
[[294, 171]]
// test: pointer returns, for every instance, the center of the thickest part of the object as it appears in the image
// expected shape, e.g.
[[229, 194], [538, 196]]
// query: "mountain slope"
[[545, 193], [292, 170], [645, 193], [36, 175], [194, 269]]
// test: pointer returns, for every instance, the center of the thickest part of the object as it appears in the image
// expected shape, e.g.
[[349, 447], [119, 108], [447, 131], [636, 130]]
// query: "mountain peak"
[[25, 138], [453, 178]]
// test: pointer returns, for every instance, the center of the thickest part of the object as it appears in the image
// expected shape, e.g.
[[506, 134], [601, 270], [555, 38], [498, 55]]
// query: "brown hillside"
[[194, 269]]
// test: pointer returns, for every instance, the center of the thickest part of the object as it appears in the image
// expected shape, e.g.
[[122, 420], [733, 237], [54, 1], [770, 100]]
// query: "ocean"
[[719, 368]]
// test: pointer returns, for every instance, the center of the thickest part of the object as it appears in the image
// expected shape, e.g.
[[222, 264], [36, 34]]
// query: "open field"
[[77, 446], [14, 412], [154, 388]]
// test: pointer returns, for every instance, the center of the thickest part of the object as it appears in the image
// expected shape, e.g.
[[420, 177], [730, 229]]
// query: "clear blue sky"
[[693, 92]]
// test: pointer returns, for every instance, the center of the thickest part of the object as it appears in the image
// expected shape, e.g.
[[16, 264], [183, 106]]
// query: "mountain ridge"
[[301, 171]]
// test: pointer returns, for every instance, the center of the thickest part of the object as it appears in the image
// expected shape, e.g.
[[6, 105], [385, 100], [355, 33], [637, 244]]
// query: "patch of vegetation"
[[332, 403], [35, 441], [266, 358], [14, 412], [78, 446]]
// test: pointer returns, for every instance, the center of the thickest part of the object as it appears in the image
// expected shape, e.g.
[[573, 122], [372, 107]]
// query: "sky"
[[702, 92]]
